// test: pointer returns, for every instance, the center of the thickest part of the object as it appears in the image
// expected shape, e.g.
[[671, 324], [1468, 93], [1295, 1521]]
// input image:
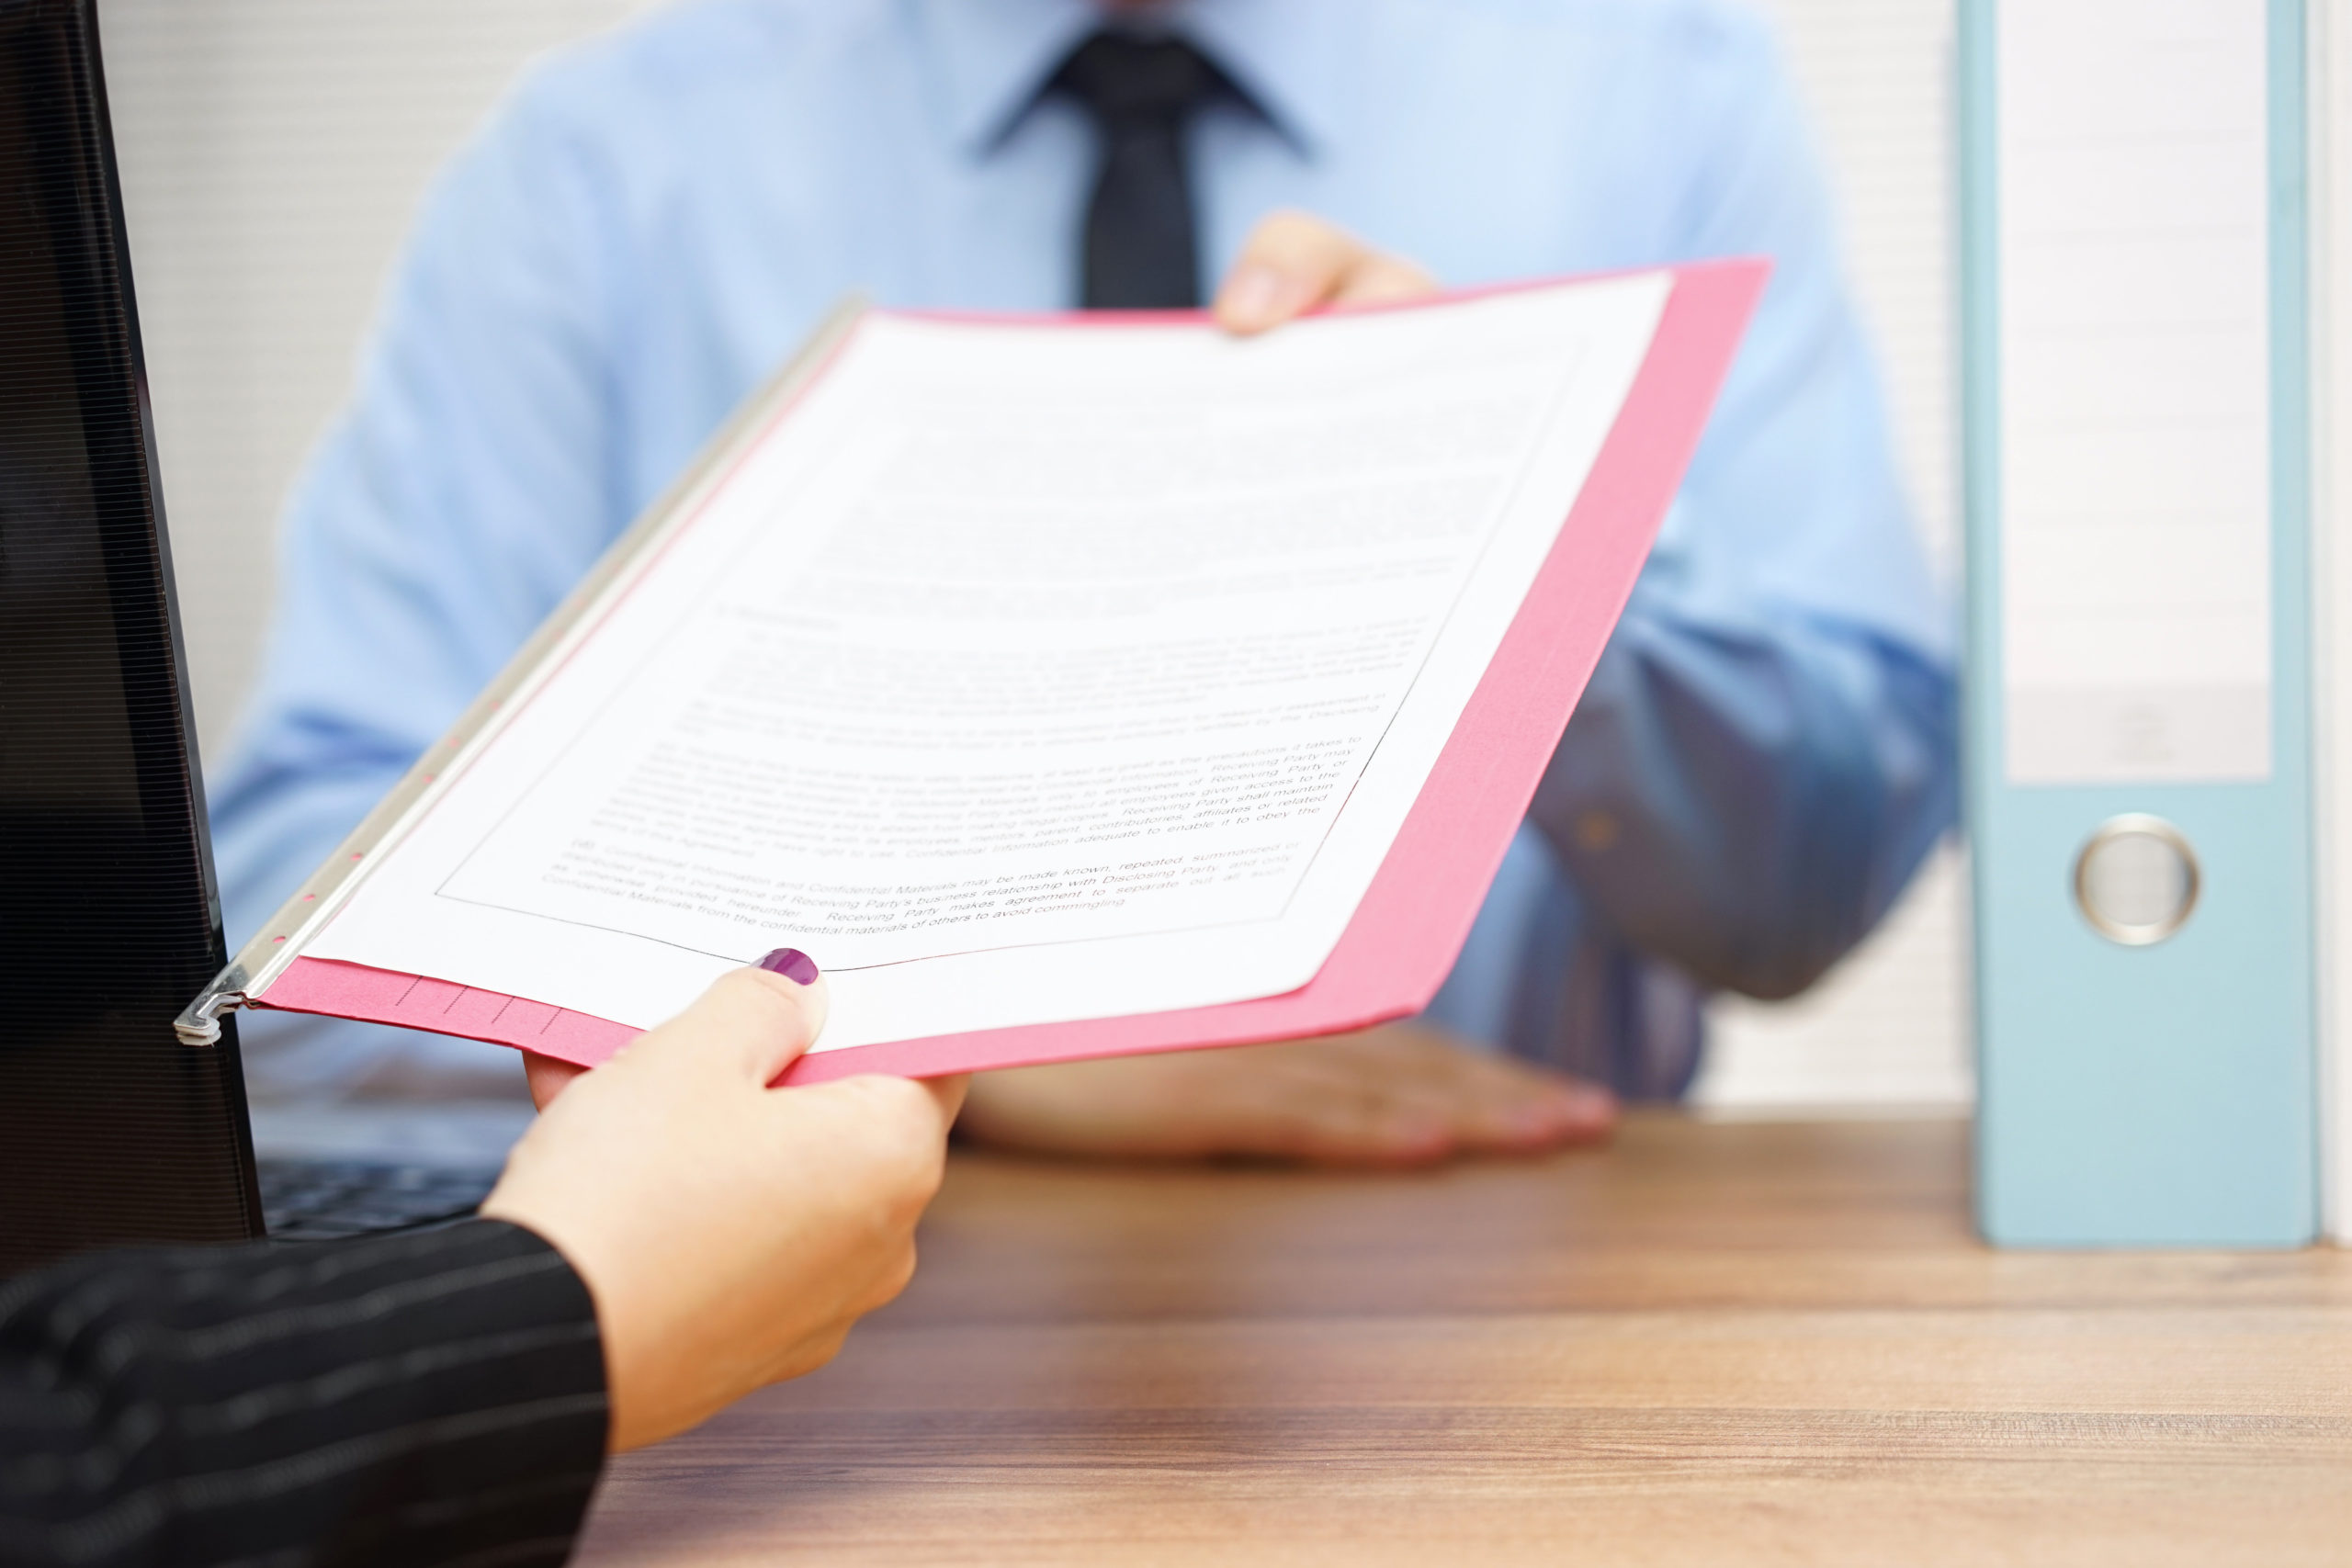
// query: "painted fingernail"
[[792, 963]]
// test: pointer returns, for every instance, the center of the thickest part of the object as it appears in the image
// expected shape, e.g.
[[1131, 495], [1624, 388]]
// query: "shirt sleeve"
[[469, 483], [1766, 749], [419, 1400]]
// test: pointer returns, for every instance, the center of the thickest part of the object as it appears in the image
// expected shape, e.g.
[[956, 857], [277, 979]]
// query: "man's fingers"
[[1326, 1125], [1493, 1102], [1381, 280], [1289, 263], [750, 1021], [547, 1076], [1399, 1095], [1293, 262], [1519, 1106], [1280, 1106], [1501, 1114]]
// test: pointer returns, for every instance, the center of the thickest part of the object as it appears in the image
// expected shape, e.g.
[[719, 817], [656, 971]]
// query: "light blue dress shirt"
[[652, 221]]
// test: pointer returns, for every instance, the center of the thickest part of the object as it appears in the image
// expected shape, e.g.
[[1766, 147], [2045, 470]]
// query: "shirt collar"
[[986, 59], [1284, 54]]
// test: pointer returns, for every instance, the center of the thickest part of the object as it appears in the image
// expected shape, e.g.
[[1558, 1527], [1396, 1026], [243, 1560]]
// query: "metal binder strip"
[[281, 940]]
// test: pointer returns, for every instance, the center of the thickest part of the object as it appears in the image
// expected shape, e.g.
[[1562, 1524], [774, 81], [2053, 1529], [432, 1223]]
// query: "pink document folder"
[[1405, 935]]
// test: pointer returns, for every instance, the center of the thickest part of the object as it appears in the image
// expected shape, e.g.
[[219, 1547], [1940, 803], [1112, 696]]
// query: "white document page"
[[1026, 673]]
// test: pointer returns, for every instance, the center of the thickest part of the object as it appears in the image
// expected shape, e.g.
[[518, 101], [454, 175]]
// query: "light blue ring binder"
[[2161, 1095]]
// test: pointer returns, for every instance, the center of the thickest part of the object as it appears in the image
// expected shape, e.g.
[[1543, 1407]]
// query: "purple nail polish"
[[792, 963]]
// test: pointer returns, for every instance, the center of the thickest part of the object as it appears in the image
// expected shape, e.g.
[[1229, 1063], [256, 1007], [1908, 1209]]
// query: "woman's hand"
[[1294, 262], [730, 1233]]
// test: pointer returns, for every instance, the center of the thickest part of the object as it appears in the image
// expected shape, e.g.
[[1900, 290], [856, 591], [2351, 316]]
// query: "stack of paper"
[[1063, 687]]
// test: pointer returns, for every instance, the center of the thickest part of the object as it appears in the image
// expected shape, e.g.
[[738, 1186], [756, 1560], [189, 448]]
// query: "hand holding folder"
[[1067, 687]]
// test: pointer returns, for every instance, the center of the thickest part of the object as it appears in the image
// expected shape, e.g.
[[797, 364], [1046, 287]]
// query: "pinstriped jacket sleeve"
[[421, 1400]]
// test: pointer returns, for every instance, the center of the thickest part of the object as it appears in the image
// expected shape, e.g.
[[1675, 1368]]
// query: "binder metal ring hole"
[[2136, 880]]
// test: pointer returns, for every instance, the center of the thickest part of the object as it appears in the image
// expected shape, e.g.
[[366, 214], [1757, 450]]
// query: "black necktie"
[[1141, 250]]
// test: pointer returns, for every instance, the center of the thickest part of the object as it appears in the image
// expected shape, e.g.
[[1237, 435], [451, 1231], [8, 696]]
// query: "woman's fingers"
[[547, 1076], [1294, 262], [755, 1022], [949, 1093], [904, 1121], [729, 1233]]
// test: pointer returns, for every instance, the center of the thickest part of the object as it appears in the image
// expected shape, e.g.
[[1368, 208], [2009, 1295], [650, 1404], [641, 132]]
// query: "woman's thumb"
[[756, 1020]]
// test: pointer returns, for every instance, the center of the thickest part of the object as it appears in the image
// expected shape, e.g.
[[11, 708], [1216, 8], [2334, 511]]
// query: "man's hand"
[[1294, 262], [1400, 1095], [730, 1233]]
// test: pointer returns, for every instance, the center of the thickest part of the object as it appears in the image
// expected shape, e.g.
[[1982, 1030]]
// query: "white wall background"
[[272, 151]]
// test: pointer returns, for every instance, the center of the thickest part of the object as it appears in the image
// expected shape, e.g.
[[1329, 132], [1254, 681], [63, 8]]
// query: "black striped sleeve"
[[426, 1399]]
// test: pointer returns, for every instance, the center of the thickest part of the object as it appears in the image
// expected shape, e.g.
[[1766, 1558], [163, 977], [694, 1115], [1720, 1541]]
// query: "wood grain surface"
[[1727, 1343]]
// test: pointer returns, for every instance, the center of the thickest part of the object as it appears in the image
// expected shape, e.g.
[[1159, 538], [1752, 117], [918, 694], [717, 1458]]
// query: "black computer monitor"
[[110, 1129]]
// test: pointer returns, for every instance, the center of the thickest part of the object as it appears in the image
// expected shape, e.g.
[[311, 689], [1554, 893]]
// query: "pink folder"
[[1405, 933]]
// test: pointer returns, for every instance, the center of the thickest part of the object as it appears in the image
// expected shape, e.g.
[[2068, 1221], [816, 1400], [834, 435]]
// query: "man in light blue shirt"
[[653, 220]]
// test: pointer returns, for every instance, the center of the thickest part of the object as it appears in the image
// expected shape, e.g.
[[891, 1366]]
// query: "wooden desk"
[[1713, 1344]]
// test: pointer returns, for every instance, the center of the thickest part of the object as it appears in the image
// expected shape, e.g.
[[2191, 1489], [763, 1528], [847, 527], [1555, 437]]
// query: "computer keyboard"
[[324, 1200]]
